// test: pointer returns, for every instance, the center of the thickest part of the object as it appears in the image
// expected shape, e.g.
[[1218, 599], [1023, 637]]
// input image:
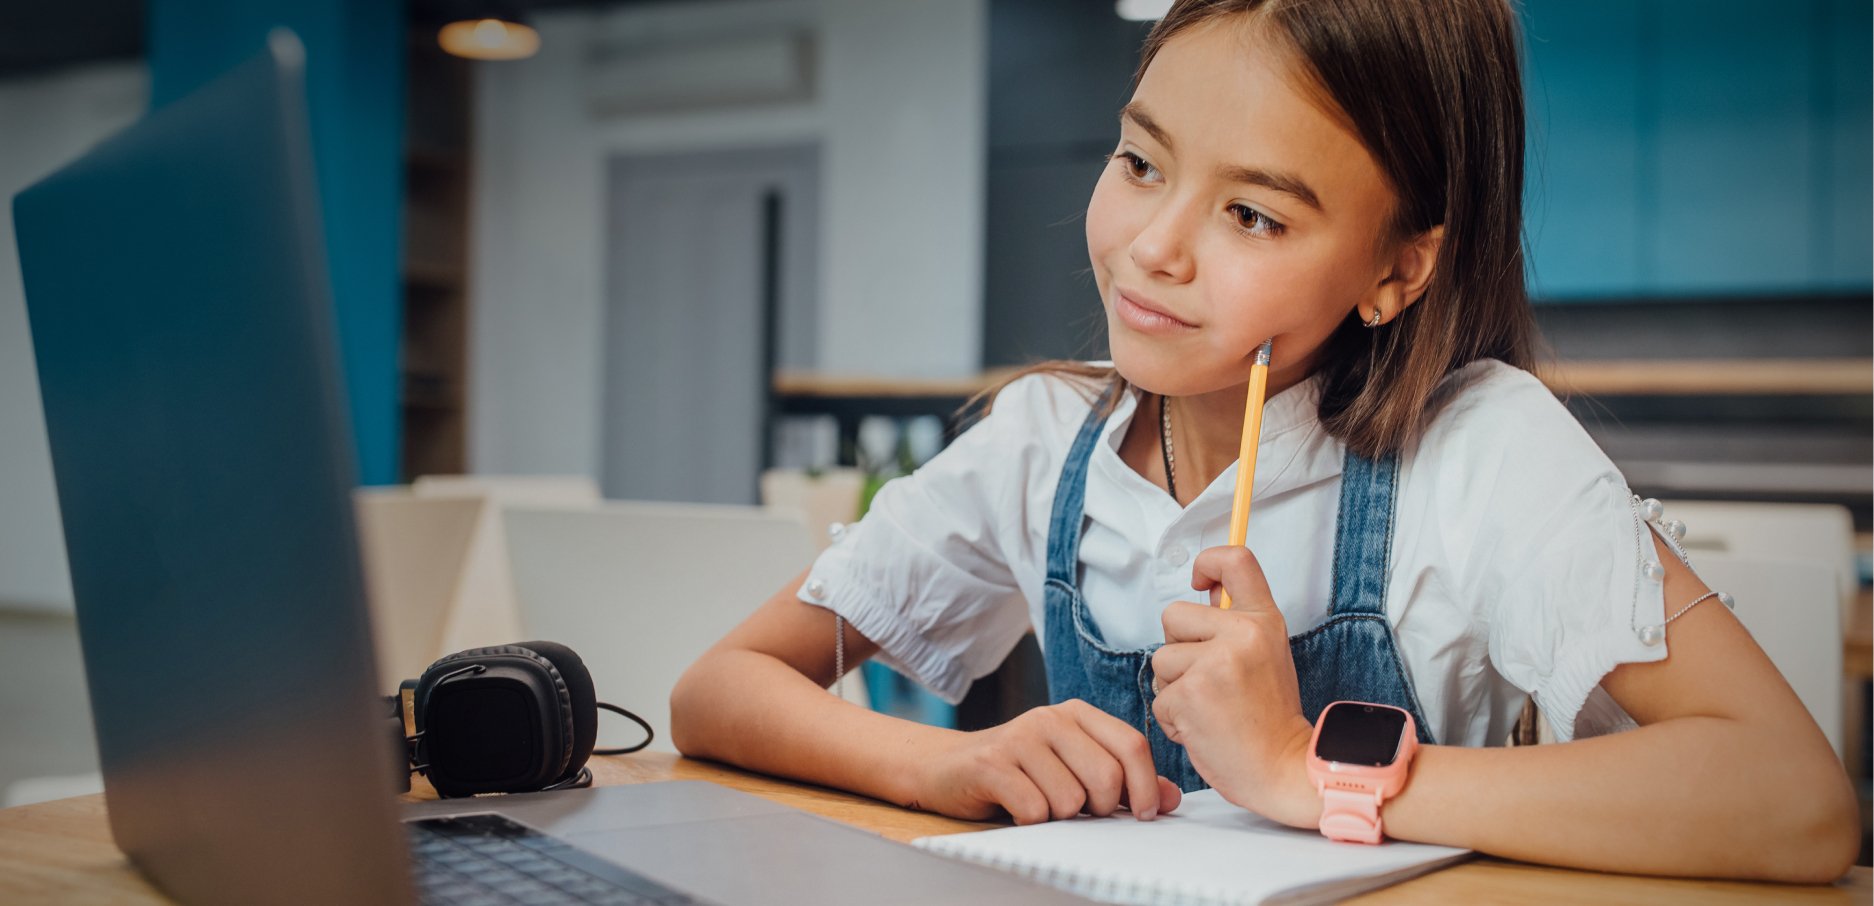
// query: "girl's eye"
[[1253, 222], [1138, 169], [1249, 221]]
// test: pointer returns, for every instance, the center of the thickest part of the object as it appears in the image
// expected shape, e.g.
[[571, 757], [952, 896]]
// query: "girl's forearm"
[[1695, 796], [754, 711]]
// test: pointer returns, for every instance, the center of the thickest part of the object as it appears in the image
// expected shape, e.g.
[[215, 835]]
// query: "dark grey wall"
[[1059, 71]]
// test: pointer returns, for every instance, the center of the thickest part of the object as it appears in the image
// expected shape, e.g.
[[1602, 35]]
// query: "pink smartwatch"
[[1357, 760]]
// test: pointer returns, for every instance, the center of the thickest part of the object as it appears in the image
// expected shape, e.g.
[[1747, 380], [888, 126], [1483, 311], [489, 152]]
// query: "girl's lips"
[[1146, 320]]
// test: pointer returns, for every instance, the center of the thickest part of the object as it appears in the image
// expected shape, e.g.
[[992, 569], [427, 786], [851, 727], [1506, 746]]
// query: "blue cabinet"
[[354, 86], [1702, 149], [1582, 171], [1847, 145]]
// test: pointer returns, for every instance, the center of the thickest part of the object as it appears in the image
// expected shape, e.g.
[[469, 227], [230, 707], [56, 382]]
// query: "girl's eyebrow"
[[1269, 179], [1286, 183], [1137, 114]]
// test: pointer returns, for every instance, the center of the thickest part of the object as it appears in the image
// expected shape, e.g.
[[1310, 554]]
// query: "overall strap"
[[1363, 537], [1070, 496]]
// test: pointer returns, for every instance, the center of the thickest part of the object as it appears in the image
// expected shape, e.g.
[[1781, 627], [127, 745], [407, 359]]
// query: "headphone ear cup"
[[585, 702], [443, 666]]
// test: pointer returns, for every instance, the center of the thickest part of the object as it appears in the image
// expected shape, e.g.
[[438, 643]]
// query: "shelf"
[[1715, 377], [432, 275], [429, 390], [437, 167], [449, 163], [835, 386]]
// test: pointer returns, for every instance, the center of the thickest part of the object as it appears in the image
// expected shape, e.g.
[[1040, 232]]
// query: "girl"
[[1344, 176]]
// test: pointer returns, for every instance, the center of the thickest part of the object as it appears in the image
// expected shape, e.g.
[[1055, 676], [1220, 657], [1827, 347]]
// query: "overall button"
[[1175, 556], [816, 589]]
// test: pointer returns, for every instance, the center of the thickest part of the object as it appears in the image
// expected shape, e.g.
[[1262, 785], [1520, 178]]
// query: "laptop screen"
[[182, 325]]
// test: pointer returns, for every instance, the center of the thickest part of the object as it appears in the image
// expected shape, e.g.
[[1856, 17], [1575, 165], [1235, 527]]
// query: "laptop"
[[182, 323]]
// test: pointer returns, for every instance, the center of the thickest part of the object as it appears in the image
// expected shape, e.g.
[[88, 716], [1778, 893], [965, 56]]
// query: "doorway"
[[710, 287]]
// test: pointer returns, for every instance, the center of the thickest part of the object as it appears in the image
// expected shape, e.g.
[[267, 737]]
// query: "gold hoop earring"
[[1375, 321]]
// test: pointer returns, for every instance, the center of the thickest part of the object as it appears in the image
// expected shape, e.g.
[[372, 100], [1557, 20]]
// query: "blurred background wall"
[[886, 99]]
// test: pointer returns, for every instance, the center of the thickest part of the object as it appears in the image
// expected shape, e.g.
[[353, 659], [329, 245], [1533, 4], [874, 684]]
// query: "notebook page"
[[1207, 852]]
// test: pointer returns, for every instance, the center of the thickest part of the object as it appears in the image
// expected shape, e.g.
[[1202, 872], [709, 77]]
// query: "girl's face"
[[1235, 209]]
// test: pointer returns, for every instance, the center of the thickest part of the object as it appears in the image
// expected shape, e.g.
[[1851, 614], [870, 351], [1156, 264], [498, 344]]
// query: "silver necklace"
[[1164, 446]]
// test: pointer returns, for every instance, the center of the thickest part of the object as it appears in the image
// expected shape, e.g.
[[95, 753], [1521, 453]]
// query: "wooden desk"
[[1857, 657], [61, 852]]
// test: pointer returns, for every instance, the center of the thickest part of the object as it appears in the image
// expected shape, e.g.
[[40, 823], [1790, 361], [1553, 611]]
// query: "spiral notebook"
[[1207, 853]]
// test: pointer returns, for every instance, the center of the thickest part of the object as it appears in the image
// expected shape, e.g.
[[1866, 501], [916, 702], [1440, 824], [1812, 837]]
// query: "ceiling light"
[[1142, 10], [490, 38]]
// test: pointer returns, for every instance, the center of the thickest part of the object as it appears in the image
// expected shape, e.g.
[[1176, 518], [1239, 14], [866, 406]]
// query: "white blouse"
[[1519, 563]]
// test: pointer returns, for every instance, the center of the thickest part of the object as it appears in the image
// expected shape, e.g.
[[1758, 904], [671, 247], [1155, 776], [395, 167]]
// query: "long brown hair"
[[1433, 89]]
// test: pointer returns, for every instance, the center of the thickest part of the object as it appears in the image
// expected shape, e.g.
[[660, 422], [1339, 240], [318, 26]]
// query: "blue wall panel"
[[1698, 148], [1735, 152], [1582, 201], [1847, 183], [355, 80]]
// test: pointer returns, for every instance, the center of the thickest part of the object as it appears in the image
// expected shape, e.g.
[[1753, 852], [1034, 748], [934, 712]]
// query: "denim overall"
[[1349, 656]]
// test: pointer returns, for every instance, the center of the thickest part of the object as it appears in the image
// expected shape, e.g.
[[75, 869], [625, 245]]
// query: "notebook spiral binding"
[[1100, 886]]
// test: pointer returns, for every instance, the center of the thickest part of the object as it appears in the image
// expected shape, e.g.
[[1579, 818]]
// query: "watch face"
[[1353, 733]]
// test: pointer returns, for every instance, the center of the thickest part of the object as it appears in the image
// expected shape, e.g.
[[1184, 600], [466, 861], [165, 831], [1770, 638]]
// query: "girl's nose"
[[1163, 247]]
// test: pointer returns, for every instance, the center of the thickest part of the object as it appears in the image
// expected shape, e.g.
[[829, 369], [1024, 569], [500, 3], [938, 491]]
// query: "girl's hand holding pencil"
[[1227, 691]]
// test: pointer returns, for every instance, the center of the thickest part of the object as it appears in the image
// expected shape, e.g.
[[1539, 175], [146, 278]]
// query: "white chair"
[[1800, 532], [436, 563], [1789, 606], [416, 554], [529, 490], [640, 590]]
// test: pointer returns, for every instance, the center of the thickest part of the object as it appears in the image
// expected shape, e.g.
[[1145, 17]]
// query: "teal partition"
[[1698, 148], [355, 83]]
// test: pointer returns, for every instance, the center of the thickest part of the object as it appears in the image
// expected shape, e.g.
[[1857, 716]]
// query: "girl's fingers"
[[1016, 792], [1161, 712], [1170, 661], [1169, 796], [1097, 770], [1238, 571], [1128, 745], [1058, 785], [1188, 622]]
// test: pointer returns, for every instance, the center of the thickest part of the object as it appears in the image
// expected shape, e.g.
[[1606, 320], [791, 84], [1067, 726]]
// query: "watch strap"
[[1351, 815]]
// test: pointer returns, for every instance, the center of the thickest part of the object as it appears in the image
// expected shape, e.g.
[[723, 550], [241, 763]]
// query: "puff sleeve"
[[1547, 548], [926, 573]]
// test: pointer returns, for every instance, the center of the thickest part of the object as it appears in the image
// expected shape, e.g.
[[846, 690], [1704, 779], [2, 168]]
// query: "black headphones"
[[507, 719]]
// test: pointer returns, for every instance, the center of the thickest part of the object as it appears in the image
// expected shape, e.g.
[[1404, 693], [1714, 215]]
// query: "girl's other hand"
[[1228, 691], [1052, 762]]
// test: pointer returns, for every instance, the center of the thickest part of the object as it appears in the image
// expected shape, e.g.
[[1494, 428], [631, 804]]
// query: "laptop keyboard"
[[485, 860]]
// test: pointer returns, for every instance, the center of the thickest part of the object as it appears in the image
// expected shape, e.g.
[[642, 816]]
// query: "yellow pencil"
[[1246, 455]]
